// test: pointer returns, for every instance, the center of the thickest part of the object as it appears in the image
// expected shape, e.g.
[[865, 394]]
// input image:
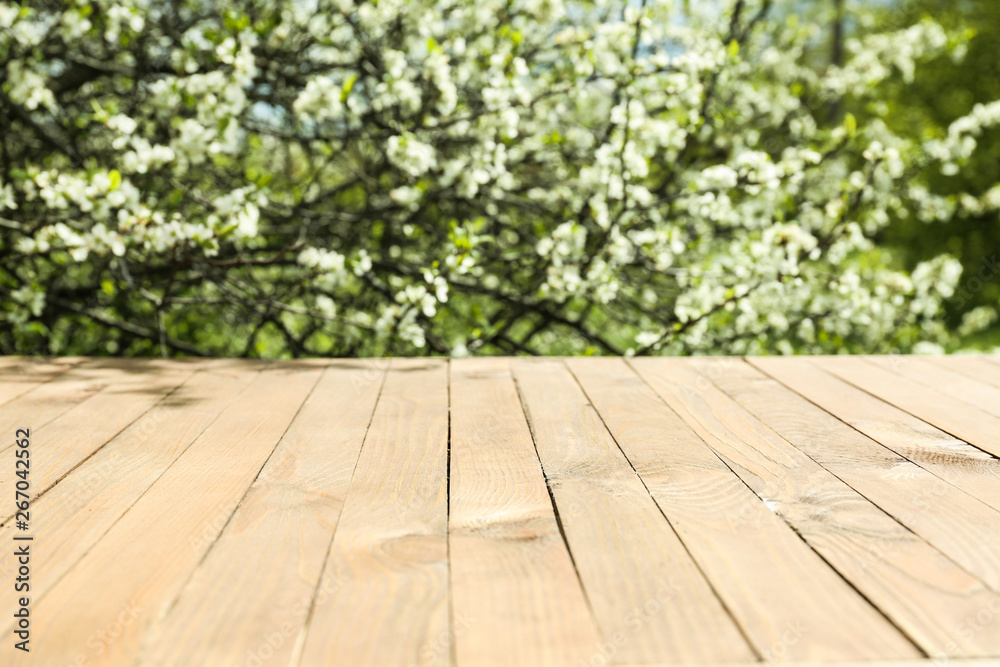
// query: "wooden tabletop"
[[552, 512]]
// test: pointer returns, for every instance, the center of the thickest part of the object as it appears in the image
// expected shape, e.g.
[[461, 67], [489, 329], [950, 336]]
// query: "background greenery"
[[942, 91], [349, 272]]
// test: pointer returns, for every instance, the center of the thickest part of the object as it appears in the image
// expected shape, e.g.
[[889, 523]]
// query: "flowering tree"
[[331, 177]]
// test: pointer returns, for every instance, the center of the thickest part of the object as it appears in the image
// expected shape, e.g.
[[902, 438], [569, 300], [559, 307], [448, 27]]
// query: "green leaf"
[[115, 177], [236, 22], [850, 124], [226, 231], [733, 49], [348, 85]]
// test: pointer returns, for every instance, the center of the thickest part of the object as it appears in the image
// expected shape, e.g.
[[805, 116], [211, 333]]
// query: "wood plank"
[[841, 525], [514, 589], [56, 396], [255, 587], [970, 469], [958, 525], [385, 584], [649, 598], [104, 607], [982, 367], [963, 421], [19, 375], [775, 585], [942, 379], [14, 366], [127, 389], [201, 519], [114, 478], [7, 361]]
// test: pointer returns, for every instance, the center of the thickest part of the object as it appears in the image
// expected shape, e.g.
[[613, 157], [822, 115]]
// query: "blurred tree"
[[276, 177], [945, 90]]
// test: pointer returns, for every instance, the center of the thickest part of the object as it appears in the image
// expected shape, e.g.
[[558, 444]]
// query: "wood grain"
[[958, 525], [503, 512], [516, 596], [384, 591], [106, 604], [970, 469], [935, 374], [951, 415], [649, 598], [126, 390], [60, 393], [985, 368], [117, 476], [256, 585], [837, 522], [777, 587], [19, 375]]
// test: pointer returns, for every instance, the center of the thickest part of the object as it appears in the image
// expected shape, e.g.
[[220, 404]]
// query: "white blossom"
[[427, 176]]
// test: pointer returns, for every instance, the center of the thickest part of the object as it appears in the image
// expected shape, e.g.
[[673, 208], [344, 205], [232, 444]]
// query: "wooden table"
[[520, 512]]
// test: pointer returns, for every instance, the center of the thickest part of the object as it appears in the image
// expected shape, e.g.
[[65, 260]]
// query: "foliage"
[[944, 91], [264, 177]]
